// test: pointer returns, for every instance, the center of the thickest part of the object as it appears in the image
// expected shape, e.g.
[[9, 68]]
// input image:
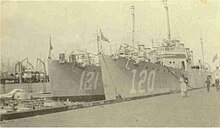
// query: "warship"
[[77, 78], [139, 71]]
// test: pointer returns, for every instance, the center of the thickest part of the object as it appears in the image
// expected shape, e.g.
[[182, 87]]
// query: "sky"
[[26, 26]]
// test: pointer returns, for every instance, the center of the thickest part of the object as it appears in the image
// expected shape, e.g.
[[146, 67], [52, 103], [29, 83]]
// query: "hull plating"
[[70, 80], [124, 78]]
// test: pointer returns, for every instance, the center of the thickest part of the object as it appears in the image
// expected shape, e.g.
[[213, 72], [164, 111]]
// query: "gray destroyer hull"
[[74, 82], [124, 78]]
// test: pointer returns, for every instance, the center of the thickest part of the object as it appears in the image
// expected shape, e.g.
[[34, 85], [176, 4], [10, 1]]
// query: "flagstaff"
[[202, 48], [133, 24], [50, 49]]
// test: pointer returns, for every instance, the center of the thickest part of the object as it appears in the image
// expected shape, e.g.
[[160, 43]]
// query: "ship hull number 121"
[[88, 81]]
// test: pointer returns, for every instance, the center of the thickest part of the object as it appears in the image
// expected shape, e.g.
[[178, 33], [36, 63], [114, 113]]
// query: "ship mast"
[[133, 25], [49, 56], [202, 47], [97, 41], [168, 20]]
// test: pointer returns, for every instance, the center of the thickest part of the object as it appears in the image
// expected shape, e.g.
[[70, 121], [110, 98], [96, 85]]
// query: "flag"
[[214, 58], [104, 38]]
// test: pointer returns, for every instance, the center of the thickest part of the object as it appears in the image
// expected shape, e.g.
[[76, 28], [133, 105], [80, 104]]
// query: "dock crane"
[[21, 66], [40, 67]]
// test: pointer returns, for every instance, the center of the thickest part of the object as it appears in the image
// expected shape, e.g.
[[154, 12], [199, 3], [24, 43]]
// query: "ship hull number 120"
[[143, 79]]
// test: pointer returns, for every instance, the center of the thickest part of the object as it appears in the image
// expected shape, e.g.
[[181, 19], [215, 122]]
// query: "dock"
[[201, 108]]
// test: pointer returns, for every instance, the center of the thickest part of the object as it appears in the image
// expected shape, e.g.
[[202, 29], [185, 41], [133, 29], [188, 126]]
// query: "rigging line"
[[175, 75], [110, 76], [171, 72]]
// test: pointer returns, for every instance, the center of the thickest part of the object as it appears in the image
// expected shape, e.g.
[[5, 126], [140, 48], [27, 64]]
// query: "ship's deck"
[[199, 109]]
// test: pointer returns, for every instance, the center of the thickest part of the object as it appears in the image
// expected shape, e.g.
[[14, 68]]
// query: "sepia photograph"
[[114, 63]]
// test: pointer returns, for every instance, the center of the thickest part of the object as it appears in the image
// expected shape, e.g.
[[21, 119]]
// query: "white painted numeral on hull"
[[96, 80], [151, 78], [143, 78], [81, 80], [86, 80], [133, 90], [88, 85]]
